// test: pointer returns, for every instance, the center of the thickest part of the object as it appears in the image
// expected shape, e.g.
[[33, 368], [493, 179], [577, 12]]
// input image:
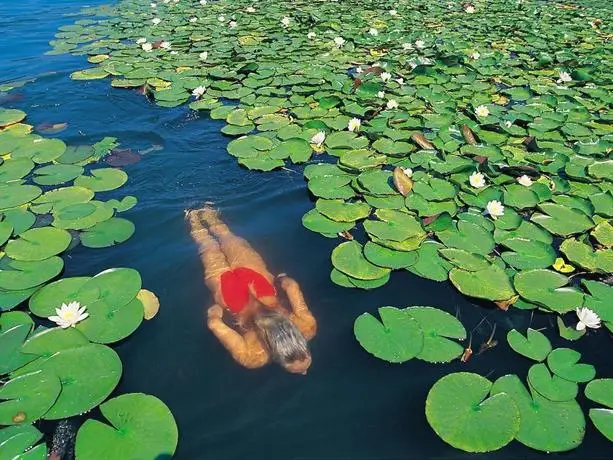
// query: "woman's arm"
[[302, 316], [247, 353]]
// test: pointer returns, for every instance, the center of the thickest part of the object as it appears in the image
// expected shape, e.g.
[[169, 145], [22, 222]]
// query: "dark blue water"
[[350, 406]]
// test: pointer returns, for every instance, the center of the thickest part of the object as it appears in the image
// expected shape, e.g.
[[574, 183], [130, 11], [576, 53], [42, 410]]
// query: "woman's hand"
[[214, 313]]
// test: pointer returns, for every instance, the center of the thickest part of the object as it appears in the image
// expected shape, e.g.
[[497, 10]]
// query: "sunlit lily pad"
[[107, 233], [534, 345], [19, 275], [549, 289], [38, 244], [102, 180], [563, 362], [439, 327], [19, 442], [550, 386], [349, 259], [28, 397]]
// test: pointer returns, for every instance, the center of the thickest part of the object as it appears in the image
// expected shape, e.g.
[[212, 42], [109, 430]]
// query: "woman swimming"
[[240, 282]]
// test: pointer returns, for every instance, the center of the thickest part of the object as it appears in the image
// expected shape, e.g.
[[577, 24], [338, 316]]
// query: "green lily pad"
[[459, 411], [394, 225], [14, 328], [102, 180], [44, 302], [317, 222], [468, 236], [600, 391], [550, 386], [549, 289], [438, 328], [10, 117], [143, 427], [20, 275], [561, 220], [535, 345], [568, 333], [389, 258], [528, 254], [18, 442], [563, 363], [491, 283], [29, 396], [108, 233], [349, 259], [56, 174], [343, 211], [38, 244], [12, 196], [429, 263], [603, 421], [397, 338]]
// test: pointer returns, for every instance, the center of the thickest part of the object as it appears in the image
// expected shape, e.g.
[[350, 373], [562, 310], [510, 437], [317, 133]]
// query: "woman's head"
[[284, 341]]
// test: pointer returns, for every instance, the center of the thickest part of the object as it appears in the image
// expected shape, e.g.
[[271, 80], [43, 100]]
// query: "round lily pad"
[[142, 427], [107, 233], [317, 222], [56, 174], [563, 363], [396, 338], [12, 196], [18, 442], [600, 391], [343, 211], [28, 397], [389, 258], [603, 421], [459, 411], [19, 274], [491, 283], [10, 117], [151, 303], [349, 259], [439, 327], [44, 302], [550, 386], [535, 345], [549, 289], [38, 244], [102, 180]]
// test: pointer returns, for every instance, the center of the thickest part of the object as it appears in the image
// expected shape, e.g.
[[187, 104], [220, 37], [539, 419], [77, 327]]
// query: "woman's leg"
[[211, 255], [237, 251]]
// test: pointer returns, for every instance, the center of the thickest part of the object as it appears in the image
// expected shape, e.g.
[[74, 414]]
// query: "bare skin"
[[221, 250]]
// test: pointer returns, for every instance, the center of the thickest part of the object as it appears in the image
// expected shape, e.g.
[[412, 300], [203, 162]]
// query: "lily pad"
[[349, 259], [535, 345], [28, 397], [102, 180], [491, 283], [438, 327], [549, 289], [20, 275], [108, 233], [38, 244], [563, 363], [550, 386]]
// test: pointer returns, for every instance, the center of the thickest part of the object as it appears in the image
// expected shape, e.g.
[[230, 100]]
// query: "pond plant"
[[462, 142]]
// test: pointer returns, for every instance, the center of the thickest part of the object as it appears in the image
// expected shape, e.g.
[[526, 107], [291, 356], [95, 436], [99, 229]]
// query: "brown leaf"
[[345, 234], [424, 143], [428, 220], [402, 182], [468, 135], [481, 159], [356, 84], [505, 304]]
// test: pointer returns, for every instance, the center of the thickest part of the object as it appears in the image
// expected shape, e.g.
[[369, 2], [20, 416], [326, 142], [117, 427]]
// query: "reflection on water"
[[350, 406]]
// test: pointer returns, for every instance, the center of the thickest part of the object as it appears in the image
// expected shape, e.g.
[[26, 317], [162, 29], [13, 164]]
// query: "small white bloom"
[[587, 318], [156, 21], [508, 123], [203, 2], [425, 60], [358, 70], [408, 172], [174, 52], [420, 44], [524, 180], [69, 315], [495, 209], [153, 5], [470, 9], [140, 41], [400, 81], [474, 56], [250, 9], [165, 45], [354, 125], [564, 77], [374, 32], [381, 94], [392, 104], [148, 47], [285, 21], [311, 35], [386, 76], [318, 138], [393, 13], [232, 24], [192, 20], [166, 1], [477, 179], [221, 18], [407, 46], [198, 92], [339, 42], [482, 111], [203, 56]]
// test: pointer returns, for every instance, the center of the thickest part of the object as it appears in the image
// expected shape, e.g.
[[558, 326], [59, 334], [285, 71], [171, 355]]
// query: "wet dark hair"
[[282, 337]]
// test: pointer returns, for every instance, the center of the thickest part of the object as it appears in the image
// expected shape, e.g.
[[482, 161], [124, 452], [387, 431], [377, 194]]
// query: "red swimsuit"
[[235, 287]]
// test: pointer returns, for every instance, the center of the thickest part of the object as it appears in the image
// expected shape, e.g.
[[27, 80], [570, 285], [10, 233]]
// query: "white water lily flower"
[[470, 9], [477, 179], [156, 21], [407, 46], [221, 18], [495, 209], [508, 123], [285, 21], [392, 104], [203, 2], [381, 94], [140, 41], [408, 172], [400, 81], [311, 35], [232, 24], [564, 77], [474, 56], [148, 47], [482, 111], [203, 56], [386, 76], [374, 32], [358, 70], [524, 180], [425, 60], [192, 20], [354, 125], [153, 5], [420, 44], [587, 318], [339, 42], [165, 45], [250, 9], [69, 315], [198, 92], [318, 139], [393, 13]]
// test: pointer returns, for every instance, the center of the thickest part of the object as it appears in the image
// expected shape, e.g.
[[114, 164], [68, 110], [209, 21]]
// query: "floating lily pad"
[[438, 327], [461, 413], [396, 338], [349, 259], [142, 427], [12, 196], [549, 289], [107, 233], [535, 345], [14, 328], [389, 258], [10, 116], [20, 275], [102, 180], [550, 386], [28, 397], [491, 283], [38, 244], [19, 442], [563, 363]]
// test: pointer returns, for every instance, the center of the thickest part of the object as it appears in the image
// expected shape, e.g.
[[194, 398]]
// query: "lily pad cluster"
[[424, 333], [473, 107], [474, 414], [47, 206]]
